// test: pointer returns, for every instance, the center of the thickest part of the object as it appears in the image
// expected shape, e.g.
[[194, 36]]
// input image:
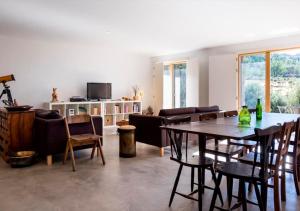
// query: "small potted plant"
[[137, 93]]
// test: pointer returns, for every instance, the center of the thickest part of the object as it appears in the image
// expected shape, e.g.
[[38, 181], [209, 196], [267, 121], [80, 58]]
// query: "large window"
[[174, 87], [253, 77], [273, 76]]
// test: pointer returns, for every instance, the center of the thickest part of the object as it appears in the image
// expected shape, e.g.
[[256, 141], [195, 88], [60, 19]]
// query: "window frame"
[[267, 74]]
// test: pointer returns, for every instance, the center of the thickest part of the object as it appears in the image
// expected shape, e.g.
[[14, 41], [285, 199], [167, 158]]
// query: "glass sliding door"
[[285, 80], [174, 79], [252, 79], [180, 85]]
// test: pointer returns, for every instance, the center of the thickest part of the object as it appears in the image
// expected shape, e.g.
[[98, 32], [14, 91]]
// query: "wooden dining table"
[[228, 128]]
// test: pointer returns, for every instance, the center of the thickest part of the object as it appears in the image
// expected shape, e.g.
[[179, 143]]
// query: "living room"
[[167, 64]]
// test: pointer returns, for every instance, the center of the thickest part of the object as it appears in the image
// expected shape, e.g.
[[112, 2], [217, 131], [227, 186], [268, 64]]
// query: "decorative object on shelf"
[[149, 111], [138, 94], [82, 110], [244, 117], [95, 111], [54, 95], [71, 112], [6, 90], [16, 103], [125, 98], [258, 110]]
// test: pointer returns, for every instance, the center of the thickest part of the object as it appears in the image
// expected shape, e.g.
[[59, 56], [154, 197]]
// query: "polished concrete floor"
[[142, 183]]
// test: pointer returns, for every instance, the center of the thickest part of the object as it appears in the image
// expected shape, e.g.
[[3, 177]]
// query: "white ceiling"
[[155, 27]]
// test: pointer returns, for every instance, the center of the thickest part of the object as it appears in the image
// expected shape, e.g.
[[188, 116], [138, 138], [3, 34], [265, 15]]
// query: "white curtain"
[[157, 87]]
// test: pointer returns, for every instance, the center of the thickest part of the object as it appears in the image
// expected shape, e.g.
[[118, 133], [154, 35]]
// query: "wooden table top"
[[228, 127]]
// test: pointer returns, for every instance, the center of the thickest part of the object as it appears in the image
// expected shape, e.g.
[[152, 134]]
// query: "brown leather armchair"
[[50, 135]]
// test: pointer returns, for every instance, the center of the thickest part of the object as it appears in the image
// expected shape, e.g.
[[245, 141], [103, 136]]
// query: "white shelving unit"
[[112, 111]]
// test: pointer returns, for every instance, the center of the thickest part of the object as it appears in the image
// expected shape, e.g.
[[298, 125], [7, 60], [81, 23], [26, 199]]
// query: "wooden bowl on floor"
[[22, 159]]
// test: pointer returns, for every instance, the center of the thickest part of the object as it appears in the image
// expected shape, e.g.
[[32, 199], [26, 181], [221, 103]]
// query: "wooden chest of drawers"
[[15, 131]]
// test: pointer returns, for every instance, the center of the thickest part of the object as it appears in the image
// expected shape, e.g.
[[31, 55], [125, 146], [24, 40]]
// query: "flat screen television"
[[98, 91]]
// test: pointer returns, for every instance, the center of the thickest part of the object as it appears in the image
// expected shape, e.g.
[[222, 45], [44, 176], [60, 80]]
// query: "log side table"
[[127, 146]]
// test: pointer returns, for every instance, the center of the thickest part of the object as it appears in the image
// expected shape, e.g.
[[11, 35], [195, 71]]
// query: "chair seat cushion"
[[195, 161], [245, 143], [238, 170], [223, 149], [84, 138]]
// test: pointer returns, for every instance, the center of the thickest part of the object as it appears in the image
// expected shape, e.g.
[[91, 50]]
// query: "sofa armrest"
[[49, 135], [148, 129]]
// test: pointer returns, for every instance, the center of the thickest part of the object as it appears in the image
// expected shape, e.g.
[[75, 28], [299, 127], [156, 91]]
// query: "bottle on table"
[[258, 110]]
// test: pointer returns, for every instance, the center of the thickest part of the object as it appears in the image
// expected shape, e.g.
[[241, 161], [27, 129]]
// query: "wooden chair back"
[[176, 137], [231, 113], [297, 134], [208, 116], [78, 119], [284, 142], [265, 137]]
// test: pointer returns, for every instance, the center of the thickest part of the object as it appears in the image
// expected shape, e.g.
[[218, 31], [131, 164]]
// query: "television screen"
[[98, 91]]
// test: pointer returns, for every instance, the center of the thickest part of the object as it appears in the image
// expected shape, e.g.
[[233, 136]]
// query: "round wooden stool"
[[127, 146]]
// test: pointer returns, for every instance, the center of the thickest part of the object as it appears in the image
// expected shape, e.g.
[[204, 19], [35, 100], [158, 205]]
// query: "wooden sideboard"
[[15, 131]]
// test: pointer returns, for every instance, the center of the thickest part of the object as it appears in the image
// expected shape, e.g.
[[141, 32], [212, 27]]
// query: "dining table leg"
[[202, 146]]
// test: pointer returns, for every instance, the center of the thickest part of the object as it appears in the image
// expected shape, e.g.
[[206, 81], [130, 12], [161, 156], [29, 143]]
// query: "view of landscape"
[[174, 85], [285, 80]]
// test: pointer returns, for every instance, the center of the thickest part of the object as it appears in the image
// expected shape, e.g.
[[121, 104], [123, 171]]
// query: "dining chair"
[[177, 154], [293, 157], [78, 140], [247, 144], [277, 160], [222, 149], [247, 172]]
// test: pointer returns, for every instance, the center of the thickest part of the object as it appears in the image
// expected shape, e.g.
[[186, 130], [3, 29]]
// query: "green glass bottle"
[[258, 110], [244, 117]]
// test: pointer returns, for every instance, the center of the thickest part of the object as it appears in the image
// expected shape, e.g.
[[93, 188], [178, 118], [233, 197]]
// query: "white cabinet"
[[111, 111]]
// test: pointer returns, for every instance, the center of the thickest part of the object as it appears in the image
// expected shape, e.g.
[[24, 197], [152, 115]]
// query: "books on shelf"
[[117, 109], [135, 108], [126, 108]]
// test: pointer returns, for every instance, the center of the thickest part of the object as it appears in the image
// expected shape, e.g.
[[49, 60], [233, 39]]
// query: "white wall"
[[222, 81], [40, 65]]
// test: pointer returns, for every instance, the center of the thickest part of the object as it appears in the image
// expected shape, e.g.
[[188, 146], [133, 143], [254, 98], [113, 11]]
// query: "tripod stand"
[[6, 90]]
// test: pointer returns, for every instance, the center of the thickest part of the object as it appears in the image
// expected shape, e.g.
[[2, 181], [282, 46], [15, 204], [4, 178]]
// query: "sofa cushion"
[[177, 111], [207, 109], [47, 114]]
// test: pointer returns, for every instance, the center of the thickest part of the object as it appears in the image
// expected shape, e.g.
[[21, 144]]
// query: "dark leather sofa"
[[148, 127], [50, 136]]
